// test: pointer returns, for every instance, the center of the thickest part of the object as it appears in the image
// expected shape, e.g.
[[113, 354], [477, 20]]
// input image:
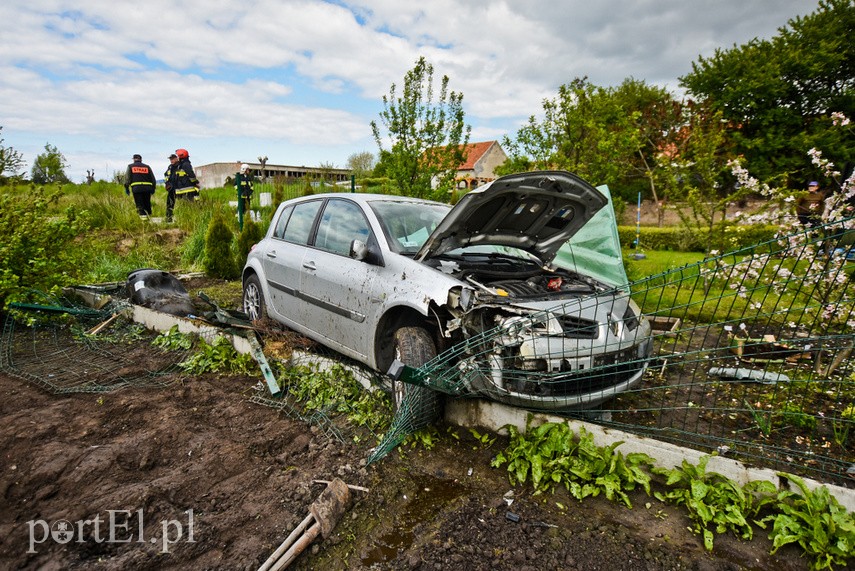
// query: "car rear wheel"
[[253, 299], [414, 347]]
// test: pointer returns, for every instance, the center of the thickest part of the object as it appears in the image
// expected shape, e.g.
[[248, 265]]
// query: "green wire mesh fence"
[[65, 347], [746, 353], [53, 345]]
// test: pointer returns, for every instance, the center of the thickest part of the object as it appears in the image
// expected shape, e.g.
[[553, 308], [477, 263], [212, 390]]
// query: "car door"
[[337, 288], [283, 259]]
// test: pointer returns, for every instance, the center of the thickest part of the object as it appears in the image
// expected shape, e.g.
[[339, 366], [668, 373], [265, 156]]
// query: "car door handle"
[[310, 265], [271, 254]]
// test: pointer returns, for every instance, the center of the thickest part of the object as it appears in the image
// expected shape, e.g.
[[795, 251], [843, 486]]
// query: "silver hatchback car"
[[493, 283]]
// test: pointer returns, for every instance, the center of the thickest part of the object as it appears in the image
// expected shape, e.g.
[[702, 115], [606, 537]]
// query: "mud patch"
[[245, 474]]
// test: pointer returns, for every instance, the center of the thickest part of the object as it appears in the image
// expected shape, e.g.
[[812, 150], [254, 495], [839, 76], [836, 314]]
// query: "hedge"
[[680, 239]]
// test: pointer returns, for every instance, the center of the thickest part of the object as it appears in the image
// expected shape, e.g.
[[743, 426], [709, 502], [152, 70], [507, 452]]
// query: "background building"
[[481, 162], [214, 175]]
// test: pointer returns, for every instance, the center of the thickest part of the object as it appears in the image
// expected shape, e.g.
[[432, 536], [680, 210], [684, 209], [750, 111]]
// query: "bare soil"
[[146, 457]]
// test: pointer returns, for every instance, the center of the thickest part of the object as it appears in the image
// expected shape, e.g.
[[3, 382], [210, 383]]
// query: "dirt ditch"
[[194, 476]]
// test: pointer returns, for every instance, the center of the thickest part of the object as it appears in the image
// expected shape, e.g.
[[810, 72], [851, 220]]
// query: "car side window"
[[341, 223], [279, 231], [299, 225]]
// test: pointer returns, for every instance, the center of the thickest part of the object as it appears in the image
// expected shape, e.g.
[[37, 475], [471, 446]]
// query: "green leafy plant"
[[426, 437], [483, 439], [337, 391], [250, 235], [815, 521], [841, 427], [219, 356], [35, 243], [552, 454], [716, 504], [761, 418], [173, 340], [792, 415]]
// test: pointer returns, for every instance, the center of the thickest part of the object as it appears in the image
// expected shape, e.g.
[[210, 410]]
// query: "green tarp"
[[595, 249]]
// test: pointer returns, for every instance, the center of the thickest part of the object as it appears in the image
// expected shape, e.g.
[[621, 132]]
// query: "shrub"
[[249, 236], [35, 246], [218, 261], [679, 239]]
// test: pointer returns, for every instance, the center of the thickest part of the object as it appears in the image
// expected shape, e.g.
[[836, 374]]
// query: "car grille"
[[578, 328], [607, 371]]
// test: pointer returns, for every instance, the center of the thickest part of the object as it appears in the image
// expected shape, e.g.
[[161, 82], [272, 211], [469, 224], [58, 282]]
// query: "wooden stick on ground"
[[287, 543], [100, 326], [357, 488]]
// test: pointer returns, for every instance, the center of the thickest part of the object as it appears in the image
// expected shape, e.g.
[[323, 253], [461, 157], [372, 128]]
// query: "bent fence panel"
[[747, 353]]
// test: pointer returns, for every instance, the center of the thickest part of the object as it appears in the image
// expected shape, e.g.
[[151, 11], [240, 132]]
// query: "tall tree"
[[361, 164], [779, 93], [658, 119], [586, 130], [11, 161], [428, 137], [49, 167], [694, 167]]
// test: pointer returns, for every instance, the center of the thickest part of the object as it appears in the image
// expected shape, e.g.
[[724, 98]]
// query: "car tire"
[[253, 299], [414, 347]]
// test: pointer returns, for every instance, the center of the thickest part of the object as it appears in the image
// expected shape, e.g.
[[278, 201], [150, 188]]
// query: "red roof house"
[[481, 162]]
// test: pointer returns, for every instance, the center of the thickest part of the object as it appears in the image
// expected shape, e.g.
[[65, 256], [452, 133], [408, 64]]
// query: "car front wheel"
[[414, 347], [253, 299]]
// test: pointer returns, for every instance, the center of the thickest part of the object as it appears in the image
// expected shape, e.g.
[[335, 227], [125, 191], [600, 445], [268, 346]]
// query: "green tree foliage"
[[361, 163], [218, 261], [11, 161], [658, 119], [250, 235], [587, 130], [49, 167], [428, 137], [36, 249], [694, 167], [779, 93]]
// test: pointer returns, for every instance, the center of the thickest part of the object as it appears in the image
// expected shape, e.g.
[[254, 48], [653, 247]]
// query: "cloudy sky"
[[300, 80]]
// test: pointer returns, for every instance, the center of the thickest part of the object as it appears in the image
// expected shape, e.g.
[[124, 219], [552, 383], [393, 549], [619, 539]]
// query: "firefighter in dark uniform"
[[140, 180], [243, 185], [169, 181], [186, 183]]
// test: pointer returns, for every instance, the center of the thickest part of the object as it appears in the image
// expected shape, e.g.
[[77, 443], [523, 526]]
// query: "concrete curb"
[[159, 321]]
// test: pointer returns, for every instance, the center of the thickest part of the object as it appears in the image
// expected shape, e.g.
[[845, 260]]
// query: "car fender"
[[410, 294]]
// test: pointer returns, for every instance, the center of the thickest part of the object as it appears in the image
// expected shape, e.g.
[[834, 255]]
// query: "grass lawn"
[[657, 262]]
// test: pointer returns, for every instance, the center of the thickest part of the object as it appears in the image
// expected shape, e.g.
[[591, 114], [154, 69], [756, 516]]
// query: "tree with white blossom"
[[810, 265]]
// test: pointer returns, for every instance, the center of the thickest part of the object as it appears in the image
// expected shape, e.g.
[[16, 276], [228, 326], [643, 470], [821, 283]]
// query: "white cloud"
[[301, 76]]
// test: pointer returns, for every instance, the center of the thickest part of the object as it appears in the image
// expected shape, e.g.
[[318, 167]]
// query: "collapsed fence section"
[[747, 354], [56, 347]]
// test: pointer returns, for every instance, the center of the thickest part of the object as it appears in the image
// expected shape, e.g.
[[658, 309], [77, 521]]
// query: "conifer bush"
[[218, 261], [249, 236]]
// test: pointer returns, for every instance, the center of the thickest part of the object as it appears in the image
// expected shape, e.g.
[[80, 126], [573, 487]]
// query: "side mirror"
[[358, 250]]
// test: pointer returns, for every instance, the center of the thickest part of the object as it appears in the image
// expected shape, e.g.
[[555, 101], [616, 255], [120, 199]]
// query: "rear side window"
[[299, 225], [279, 231], [341, 223]]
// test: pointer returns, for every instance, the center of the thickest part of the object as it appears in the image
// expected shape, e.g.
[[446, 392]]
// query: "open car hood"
[[534, 211]]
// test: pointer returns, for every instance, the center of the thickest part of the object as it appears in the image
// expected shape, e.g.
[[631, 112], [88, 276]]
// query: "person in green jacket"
[[243, 185]]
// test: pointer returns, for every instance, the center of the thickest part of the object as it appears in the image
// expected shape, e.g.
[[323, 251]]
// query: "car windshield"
[[407, 225]]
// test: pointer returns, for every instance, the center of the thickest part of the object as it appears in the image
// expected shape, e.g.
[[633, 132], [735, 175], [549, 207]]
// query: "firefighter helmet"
[[182, 154], [244, 168]]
